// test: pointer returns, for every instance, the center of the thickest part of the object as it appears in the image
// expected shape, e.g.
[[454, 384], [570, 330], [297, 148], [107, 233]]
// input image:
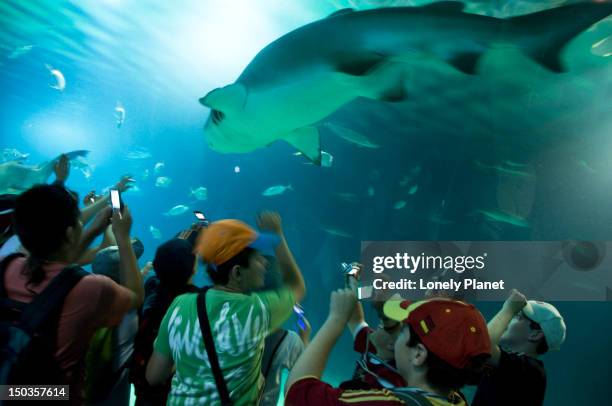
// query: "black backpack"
[[28, 331]]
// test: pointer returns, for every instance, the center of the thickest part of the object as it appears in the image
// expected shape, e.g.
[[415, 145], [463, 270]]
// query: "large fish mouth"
[[223, 138], [216, 138], [217, 116]]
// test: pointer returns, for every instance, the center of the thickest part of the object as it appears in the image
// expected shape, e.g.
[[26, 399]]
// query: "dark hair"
[[42, 216], [542, 347], [219, 274], [173, 264], [443, 376]]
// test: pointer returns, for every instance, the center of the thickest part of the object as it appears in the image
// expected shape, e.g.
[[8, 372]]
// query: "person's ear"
[[535, 336], [419, 355], [236, 273], [71, 235]]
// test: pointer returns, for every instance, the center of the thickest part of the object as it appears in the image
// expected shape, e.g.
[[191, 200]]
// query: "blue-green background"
[[158, 57]]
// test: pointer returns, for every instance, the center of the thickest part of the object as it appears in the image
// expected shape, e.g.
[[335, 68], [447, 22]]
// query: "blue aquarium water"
[[442, 163]]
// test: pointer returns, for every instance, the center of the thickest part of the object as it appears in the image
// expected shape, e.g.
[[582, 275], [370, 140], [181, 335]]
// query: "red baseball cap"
[[224, 239], [453, 330]]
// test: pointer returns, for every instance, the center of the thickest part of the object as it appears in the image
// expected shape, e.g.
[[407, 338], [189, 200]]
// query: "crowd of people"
[[103, 330]]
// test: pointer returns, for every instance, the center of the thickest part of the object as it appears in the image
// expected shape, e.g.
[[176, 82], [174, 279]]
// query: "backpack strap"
[[268, 358], [48, 301], [210, 349]]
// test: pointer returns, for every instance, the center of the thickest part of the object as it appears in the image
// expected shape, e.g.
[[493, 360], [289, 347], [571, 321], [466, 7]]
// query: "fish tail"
[[549, 31]]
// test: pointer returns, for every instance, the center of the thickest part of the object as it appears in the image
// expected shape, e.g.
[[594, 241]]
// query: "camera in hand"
[[349, 269], [115, 199], [201, 217]]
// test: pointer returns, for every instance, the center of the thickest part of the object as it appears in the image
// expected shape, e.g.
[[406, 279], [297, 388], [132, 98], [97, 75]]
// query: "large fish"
[[16, 177], [304, 76]]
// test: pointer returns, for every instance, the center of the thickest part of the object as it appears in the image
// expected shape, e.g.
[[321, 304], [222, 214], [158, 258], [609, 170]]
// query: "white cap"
[[551, 321]]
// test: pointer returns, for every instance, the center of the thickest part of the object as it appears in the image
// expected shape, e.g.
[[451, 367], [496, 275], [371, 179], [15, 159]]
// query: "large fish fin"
[[47, 167], [306, 140], [445, 6], [361, 66], [342, 11], [386, 82], [75, 154], [395, 94], [466, 62], [549, 31], [225, 98]]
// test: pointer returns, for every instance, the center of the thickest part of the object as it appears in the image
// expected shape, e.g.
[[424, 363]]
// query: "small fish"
[[200, 193], [163, 181], [351, 136], [87, 173], [60, 81], [514, 164], [158, 167], [371, 191], [236, 169], [347, 197], [400, 204], [145, 174], [276, 190], [336, 232], [82, 165], [134, 189], [19, 51], [157, 235], [503, 170], [586, 166], [138, 153], [503, 217], [11, 154], [405, 180], [603, 47], [326, 159], [177, 210], [413, 189], [119, 114], [437, 219]]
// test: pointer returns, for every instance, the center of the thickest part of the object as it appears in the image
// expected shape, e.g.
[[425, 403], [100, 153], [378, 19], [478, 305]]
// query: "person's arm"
[[357, 319], [159, 368], [290, 272], [313, 359], [129, 274], [89, 211], [109, 238], [498, 324], [62, 170], [94, 230], [146, 269], [90, 253]]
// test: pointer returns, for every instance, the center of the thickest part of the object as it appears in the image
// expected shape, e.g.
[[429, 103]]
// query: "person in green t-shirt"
[[240, 319]]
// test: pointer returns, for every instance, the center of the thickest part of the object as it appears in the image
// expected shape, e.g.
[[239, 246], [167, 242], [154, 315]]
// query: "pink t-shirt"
[[94, 302]]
